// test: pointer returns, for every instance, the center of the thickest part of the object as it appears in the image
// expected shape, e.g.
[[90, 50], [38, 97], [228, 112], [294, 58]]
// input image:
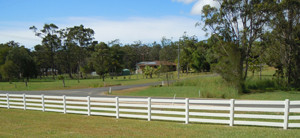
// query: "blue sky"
[[127, 20]]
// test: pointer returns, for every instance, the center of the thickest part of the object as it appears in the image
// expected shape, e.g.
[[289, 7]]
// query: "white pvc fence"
[[231, 112]]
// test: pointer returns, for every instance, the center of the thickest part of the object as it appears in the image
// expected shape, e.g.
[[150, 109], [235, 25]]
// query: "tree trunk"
[[260, 71], [70, 75], [167, 76], [78, 74], [64, 82], [26, 82], [53, 76], [240, 83]]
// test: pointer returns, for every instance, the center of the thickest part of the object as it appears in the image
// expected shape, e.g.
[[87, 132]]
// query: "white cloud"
[[128, 30], [184, 1], [197, 8], [22, 36]]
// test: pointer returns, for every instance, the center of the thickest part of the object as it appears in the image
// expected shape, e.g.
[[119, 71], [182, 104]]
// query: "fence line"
[[231, 112]]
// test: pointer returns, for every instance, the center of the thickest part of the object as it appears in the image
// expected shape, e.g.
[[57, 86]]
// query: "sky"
[[126, 20]]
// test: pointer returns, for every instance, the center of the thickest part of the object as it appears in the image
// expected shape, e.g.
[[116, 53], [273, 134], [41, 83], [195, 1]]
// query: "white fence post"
[[117, 107], [64, 104], [149, 108], [109, 90], [7, 98], [89, 105], [24, 101], [43, 102], [286, 114], [186, 110], [231, 112]]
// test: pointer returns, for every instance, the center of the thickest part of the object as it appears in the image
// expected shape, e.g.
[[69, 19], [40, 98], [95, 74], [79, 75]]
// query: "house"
[[154, 64]]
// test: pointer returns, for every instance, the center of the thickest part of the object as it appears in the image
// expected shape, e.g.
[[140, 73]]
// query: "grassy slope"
[[19, 123]]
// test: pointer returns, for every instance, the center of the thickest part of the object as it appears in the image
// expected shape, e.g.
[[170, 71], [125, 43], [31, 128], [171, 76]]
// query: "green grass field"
[[20, 123], [193, 92], [36, 84], [215, 87], [189, 88], [50, 84]]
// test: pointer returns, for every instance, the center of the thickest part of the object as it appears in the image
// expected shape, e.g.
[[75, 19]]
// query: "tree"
[[188, 47], [148, 71], [4, 49], [77, 41], [237, 24], [101, 59], [168, 51], [154, 52], [24, 62], [9, 70], [41, 58], [199, 60], [286, 30], [51, 41], [117, 56]]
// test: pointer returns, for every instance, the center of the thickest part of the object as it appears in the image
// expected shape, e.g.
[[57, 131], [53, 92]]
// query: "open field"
[[50, 84], [193, 92], [71, 84], [19, 123], [215, 87]]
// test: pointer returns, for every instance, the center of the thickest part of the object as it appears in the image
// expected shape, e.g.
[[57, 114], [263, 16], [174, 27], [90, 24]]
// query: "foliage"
[[18, 63], [50, 40], [9, 70], [148, 71], [284, 40], [101, 59], [237, 24]]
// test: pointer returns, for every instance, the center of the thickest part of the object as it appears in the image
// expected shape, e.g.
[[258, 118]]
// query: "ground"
[[20, 123]]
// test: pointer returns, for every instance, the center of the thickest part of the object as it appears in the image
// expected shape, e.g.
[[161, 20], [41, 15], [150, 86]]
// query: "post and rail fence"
[[231, 112]]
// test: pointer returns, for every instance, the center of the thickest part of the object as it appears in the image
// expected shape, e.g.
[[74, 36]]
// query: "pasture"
[[19, 123]]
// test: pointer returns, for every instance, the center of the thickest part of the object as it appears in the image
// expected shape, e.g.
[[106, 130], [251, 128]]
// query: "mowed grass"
[[36, 84], [20, 123], [275, 95], [50, 84]]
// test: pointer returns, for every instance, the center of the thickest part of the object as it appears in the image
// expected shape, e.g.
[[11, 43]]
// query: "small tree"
[[148, 71], [9, 70], [61, 77], [101, 59]]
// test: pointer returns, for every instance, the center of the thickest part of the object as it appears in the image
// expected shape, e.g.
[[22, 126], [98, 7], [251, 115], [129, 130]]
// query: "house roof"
[[155, 63]]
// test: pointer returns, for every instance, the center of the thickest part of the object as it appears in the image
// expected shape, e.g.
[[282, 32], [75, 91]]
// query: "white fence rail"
[[231, 112]]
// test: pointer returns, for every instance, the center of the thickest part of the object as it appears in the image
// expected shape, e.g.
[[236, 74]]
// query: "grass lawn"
[[193, 92], [20, 123], [71, 84], [276, 95], [50, 84]]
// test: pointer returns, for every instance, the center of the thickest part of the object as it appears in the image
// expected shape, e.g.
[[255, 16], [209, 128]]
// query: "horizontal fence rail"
[[231, 112]]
